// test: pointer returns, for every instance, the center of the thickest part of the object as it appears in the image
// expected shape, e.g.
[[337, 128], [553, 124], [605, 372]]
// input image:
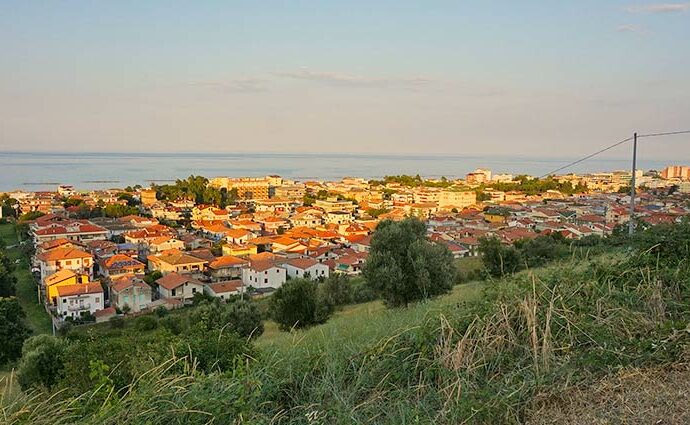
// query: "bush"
[[361, 291], [172, 324], [42, 362], [146, 323], [297, 304], [216, 350], [336, 290], [13, 330], [117, 322], [244, 319], [404, 267], [498, 259], [161, 311]]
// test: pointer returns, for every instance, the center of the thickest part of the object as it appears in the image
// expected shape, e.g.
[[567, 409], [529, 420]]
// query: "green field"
[[36, 316]]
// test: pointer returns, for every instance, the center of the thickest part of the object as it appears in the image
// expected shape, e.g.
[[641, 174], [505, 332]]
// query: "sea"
[[31, 171]]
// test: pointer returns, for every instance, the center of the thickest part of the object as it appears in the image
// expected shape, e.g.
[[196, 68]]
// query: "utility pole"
[[631, 224]]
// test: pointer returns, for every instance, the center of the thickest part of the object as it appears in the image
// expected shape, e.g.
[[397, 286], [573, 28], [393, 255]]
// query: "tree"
[[213, 350], [297, 304], [336, 290], [42, 362], [8, 281], [498, 259], [13, 330], [31, 215], [245, 319], [404, 267]]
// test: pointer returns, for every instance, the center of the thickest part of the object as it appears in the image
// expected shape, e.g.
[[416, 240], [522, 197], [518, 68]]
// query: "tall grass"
[[488, 353]]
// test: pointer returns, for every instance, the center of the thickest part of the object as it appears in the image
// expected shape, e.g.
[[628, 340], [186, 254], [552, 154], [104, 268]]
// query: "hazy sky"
[[464, 77]]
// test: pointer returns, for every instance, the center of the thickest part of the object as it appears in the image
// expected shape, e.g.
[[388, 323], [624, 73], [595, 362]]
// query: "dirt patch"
[[641, 396]]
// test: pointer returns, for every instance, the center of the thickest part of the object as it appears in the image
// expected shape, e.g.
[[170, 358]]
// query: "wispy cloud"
[[635, 29], [660, 8], [347, 80], [240, 85]]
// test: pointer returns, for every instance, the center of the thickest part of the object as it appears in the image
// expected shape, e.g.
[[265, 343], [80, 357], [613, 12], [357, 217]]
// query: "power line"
[[667, 133], [587, 157]]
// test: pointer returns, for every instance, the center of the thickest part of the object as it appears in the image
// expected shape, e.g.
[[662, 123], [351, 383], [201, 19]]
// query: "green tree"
[[13, 330], [336, 290], [297, 304], [499, 259], [31, 215], [245, 319], [8, 282], [214, 350], [42, 362], [404, 267]]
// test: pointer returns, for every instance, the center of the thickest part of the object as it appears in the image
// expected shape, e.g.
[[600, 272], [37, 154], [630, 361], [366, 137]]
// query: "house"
[[75, 230], [78, 300], [264, 272], [179, 286], [306, 267], [226, 267], [132, 292], [224, 290], [65, 258], [119, 265], [350, 264], [239, 250], [175, 261], [164, 243], [239, 236], [63, 277]]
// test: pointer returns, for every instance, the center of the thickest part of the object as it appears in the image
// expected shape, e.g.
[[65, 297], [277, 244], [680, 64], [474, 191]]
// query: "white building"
[[77, 300], [306, 267], [264, 274]]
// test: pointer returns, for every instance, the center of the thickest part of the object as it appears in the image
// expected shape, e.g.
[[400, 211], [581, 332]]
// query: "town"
[[101, 254]]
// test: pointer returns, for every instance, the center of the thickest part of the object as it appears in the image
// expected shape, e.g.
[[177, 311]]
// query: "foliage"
[[376, 212], [42, 362], [244, 319], [404, 267], [146, 323], [13, 330], [213, 350], [297, 304], [117, 210], [336, 290], [535, 186], [197, 189], [31, 215], [8, 281]]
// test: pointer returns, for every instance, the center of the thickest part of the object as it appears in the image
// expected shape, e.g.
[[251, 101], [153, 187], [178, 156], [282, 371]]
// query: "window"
[[193, 290], [68, 262], [173, 292], [98, 299], [64, 300], [265, 280]]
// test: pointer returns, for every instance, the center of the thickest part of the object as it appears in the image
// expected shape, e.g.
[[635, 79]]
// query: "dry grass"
[[637, 396]]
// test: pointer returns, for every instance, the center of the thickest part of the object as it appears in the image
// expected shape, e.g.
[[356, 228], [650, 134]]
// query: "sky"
[[547, 78]]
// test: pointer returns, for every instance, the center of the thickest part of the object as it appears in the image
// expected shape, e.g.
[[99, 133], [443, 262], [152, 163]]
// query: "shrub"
[[336, 290], [404, 267], [244, 319], [117, 322], [13, 330], [213, 350], [161, 311], [297, 304], [172, 324], [42, 362], [146, 323]]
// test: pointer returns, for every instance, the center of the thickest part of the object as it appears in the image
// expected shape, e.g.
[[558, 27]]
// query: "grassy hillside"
[[36, 316], [529, 347]]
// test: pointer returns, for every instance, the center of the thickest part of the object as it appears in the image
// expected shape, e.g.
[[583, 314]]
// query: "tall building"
[[676, 172], [478, 176], [247, 187]]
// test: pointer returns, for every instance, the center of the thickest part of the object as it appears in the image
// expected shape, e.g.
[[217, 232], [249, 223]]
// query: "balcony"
[[79, 307]]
